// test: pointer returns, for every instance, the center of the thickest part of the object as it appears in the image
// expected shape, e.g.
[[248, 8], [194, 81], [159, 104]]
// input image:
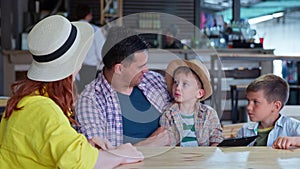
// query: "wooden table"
[[217, 158]]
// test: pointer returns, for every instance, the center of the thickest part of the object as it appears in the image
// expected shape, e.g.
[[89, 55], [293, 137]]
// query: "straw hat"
[[58, 48], [198, 67]]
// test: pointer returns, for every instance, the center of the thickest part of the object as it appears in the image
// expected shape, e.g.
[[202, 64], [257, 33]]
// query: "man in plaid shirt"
[[124, 103]]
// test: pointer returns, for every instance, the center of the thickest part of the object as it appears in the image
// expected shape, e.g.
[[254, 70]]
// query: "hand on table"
[[286, 142], [123, 154], [160, 137], [128, 153], [101, 143]]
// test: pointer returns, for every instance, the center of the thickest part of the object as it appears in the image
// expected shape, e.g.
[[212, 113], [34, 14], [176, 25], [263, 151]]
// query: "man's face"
[[135, 71]]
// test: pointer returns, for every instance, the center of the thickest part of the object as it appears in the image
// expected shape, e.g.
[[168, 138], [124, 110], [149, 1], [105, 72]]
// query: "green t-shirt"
[[189, 136], [262, 136]]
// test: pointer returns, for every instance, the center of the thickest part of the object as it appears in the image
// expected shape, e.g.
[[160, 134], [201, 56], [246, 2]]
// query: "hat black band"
[[59, 52]]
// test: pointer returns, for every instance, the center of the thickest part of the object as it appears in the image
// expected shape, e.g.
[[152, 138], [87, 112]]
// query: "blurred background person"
[[93, 60], [170, 38]]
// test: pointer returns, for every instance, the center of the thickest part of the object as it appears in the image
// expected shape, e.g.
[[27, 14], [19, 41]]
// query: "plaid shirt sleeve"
[[216, 128], [155, 89], [208, 126], [88, 116], [171, 120], [98, 112]]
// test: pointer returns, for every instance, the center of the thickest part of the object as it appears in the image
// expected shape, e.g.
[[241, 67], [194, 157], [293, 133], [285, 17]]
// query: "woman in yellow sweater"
[[35, 130]]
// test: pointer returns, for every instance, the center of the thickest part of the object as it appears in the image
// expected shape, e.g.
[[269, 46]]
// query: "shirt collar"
[[103, 85], [280, 122]]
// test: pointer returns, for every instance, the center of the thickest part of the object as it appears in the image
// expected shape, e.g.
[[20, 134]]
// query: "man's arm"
[[160, 137], [88, 120], [123, 154]]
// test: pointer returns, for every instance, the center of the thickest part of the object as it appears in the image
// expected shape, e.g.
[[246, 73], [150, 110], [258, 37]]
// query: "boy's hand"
[[286, 142]]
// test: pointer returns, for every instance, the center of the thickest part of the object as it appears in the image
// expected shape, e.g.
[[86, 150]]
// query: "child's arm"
[[214, 144], [240, 133], [164, 121], [286, 142], [214, 125], [168, 123]]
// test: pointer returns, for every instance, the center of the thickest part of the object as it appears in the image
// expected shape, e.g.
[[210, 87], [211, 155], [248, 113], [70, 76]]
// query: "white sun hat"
[[58, 47]]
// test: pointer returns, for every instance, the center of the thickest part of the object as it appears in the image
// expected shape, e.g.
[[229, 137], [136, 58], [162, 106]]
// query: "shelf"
[[110, 15], [154, 31], [110, 10]]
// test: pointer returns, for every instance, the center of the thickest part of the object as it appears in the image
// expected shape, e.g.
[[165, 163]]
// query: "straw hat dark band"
[[59, 52], [58, 47], [197, 67]]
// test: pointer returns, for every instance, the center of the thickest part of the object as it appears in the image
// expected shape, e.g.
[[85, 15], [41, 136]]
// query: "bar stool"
[[234, 93]]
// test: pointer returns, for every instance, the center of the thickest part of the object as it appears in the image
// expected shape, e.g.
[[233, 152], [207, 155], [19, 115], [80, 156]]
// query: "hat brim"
[[73, 58], [198, 67]]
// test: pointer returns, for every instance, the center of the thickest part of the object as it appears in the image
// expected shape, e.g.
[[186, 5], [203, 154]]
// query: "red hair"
[[59, 91]]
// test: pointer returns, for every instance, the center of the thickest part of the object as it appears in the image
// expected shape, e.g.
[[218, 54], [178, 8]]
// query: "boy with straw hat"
[[190, 122]]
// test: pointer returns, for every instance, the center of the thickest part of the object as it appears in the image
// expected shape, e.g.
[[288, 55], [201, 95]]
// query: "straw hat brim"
[[198, 67], [69, 62]]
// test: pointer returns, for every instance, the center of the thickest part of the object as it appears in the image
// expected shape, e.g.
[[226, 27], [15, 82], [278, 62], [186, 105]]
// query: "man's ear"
[[118, 68]]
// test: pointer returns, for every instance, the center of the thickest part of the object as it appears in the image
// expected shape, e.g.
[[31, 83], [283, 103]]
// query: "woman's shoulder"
[[36, 99], [41, 105]]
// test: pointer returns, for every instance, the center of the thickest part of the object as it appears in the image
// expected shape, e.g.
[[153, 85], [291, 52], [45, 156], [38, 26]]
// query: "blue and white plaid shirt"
[[98, 111]]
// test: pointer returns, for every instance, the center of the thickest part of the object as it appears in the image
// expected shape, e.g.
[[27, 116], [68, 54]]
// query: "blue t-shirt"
[[140, 118]]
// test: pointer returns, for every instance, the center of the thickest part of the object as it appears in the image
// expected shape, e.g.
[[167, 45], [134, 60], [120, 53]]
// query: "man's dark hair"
[[120, 44], [82, 10]]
